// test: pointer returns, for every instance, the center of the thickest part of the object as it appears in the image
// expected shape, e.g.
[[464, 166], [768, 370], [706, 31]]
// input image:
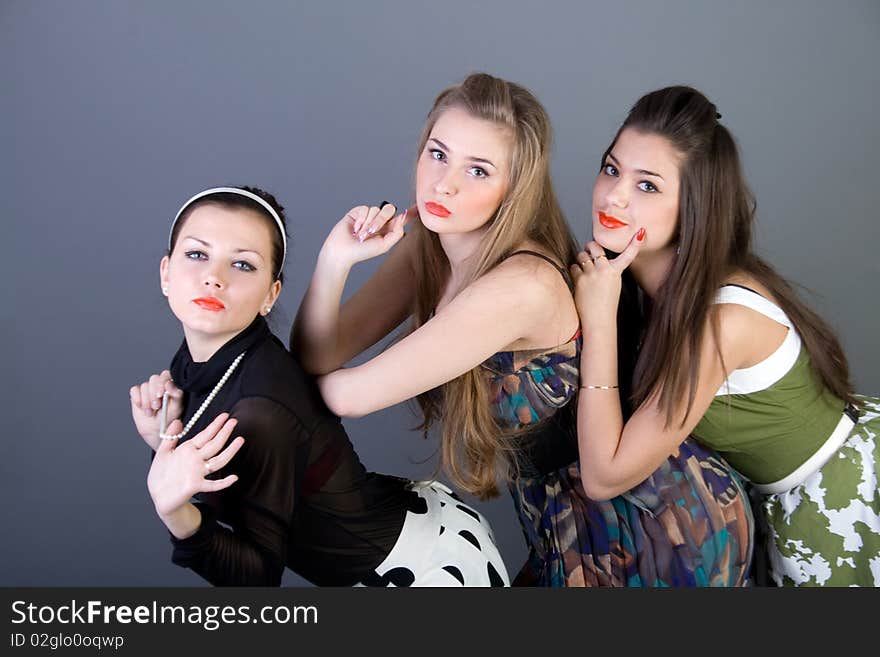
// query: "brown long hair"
[[715, 219], [471, 442]]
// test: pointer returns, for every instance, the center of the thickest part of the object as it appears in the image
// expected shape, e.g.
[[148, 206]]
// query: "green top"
[[767, 434], [768, 419]]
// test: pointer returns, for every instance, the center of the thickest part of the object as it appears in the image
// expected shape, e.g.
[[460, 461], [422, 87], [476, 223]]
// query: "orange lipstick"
[[611, 222], [437, 210], [209, 303]]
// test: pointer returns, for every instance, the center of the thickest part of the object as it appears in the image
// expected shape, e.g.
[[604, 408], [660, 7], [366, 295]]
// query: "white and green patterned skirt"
[[826, 530]]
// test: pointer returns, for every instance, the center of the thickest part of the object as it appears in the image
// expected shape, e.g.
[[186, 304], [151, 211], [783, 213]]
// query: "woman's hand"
[[597, 281], [366, 232], [146, 404], [178, 473]]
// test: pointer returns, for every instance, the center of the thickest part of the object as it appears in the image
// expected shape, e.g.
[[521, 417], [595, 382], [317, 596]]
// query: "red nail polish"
[[641, 234]]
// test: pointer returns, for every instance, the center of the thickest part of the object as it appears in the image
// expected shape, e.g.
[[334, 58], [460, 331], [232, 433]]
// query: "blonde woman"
[[493, 354]]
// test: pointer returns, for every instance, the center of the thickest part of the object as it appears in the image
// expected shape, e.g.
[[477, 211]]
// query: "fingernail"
[[641, 234]]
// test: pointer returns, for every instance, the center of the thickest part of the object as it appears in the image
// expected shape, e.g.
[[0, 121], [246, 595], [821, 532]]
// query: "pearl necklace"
[[205, 404]]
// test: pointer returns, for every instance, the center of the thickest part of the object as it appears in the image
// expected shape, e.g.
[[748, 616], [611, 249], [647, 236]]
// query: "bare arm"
[[325, 336], [615, 456], [509, 303]]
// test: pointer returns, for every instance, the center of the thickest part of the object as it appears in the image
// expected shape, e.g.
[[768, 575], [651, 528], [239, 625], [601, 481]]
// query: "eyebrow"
[[642, 171], [200, 241], [472, 159]]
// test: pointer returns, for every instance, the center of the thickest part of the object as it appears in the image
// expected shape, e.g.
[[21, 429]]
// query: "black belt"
[[852, 412]]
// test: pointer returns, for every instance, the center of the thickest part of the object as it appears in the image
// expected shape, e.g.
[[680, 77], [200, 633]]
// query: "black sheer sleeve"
[[258, 508]]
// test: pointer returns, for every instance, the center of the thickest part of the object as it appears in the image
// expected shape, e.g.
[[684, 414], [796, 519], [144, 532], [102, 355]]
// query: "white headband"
[[240, 192]]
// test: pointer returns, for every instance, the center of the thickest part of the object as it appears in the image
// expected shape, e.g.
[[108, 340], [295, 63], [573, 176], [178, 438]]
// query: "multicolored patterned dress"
[[812, 459], [688, 524]]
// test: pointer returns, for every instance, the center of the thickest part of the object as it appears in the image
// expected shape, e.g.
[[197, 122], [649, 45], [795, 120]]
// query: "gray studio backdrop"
[[115, 112]]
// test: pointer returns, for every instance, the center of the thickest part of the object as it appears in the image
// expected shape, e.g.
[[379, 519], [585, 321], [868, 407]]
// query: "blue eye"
[[243, 265], [478, 172], [437, 154], [647, 186], [610, 170], [195, 255]]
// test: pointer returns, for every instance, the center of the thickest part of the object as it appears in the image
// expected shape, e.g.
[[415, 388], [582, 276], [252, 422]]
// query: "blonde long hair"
[[472, 444]]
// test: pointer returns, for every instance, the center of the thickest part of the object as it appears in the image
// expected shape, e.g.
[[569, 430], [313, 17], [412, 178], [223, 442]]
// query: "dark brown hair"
[[232, 200], [715, 218]]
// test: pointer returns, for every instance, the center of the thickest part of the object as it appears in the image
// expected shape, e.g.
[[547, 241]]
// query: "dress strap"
[[770, 370], [745, 296]]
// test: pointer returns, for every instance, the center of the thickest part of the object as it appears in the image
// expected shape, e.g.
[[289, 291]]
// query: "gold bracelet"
[[598, 387]]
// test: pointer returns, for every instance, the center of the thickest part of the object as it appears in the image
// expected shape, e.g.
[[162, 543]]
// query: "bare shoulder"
[[535, 291], [526, 286], [747, 336], [535, 277], [734, 320]]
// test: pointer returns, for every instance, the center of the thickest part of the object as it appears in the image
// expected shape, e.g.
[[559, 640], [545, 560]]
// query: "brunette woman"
[[728, 353]]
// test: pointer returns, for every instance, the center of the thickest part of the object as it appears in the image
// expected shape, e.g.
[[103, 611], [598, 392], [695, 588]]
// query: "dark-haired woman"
[[289, 488], [728, 352]]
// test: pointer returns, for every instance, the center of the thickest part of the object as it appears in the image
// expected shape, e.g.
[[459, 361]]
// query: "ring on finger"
[[600, 256], [208, 466]]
